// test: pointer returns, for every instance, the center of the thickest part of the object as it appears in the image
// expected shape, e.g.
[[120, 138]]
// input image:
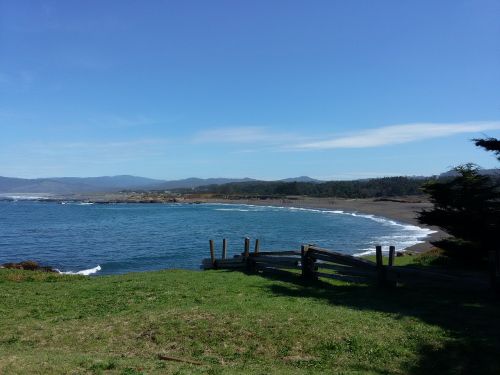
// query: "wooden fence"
[[313, 263]]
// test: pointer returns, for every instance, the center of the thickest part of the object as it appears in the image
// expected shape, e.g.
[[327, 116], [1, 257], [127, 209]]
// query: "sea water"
[[117, 238]]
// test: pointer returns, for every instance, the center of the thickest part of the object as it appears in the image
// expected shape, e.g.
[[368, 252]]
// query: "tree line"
[[369, 188]]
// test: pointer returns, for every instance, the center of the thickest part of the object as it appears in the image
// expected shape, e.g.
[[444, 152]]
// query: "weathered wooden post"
[[224, 248], [212, 252], [247, 247], [249, 261], [390, 275], [307, 263], [392, 254], [256, 250], [303, 260], [381, 271]]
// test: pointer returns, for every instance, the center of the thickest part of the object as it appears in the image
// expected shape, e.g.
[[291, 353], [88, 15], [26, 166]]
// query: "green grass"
[[433, 257], [236, 323]]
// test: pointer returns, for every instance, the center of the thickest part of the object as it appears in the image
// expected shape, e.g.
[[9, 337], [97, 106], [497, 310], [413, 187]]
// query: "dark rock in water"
[[28, 265]]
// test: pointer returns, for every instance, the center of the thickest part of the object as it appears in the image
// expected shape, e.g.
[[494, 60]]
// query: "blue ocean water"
[[123, 238]]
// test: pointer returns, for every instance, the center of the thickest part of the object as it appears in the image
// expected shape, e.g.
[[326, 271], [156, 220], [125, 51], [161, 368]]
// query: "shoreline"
[[403, 210]]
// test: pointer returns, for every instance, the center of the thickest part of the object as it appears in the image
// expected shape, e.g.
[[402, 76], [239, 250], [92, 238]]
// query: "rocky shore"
[[28, 265]]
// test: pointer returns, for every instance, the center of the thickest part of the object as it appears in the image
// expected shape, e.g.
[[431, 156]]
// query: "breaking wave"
[[409, 235], [88, 272]]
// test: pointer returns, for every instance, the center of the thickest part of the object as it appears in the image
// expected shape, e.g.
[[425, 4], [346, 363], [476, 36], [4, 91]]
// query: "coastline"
[[402, 209]]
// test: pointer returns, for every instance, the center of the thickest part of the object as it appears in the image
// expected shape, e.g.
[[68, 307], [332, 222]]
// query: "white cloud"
[[248, 134], [242, 134], [398, 134], [263, 137], [126, 145], [89, 152], [118, 122]]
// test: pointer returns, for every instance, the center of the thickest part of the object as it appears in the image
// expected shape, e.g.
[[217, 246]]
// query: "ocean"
[[101, 239]]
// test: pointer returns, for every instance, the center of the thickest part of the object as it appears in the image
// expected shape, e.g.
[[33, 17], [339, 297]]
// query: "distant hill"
[[304, 184], [193, 182], [494, 172], [301, 179], [69, 185], [113, 182]]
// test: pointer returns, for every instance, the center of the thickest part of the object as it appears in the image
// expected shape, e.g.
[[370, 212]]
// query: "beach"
[[400, 209]]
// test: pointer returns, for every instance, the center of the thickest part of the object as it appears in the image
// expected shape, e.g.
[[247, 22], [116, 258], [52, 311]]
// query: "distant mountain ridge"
[[103, 184], [301, 179], [69, 185], [194, 182]]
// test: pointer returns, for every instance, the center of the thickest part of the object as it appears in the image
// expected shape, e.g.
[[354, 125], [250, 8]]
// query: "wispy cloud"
[[89, 152], [85, 157], [258, 137], [126, 144], [398, 134], [120, 122], [243, 135]]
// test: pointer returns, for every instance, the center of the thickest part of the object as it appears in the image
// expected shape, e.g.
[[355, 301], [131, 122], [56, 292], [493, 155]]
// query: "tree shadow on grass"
[[470, 317]]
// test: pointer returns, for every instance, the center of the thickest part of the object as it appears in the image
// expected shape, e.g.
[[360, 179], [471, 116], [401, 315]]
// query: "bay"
[[118, 238]]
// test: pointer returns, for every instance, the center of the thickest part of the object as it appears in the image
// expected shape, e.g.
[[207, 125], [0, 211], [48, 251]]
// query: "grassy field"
[[429, 258], [229, 322]]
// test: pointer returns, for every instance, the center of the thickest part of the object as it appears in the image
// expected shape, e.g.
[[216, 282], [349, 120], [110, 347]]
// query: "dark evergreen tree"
[[468, 206], [489, 144]]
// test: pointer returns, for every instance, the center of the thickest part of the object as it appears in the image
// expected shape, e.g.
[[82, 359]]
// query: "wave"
[[412, 234], [24, 197], [75, 203], [88, 272], [232, 209], [378, 219]]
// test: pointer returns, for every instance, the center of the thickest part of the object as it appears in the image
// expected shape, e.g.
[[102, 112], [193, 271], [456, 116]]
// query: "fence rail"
[[313, 262]]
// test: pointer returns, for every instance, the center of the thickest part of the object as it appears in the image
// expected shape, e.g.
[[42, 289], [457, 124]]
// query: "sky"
[[265, 89]]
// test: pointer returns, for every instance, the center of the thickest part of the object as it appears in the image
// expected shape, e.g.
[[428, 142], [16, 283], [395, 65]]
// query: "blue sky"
[[264, 89]]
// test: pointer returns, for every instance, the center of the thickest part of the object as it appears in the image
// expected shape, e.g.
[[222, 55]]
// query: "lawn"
[[228, 322]]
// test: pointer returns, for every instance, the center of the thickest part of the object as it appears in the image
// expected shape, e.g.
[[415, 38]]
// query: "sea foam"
[[24, 197], [88, 272], [410, 234]]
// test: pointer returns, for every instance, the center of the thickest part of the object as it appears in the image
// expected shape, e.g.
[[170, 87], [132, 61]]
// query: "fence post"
[[224, 248], [212, 252], [381, 271], [389, 273], [307, 263], [246, 253], [249, 261], [256, 250], [303, 251], [392, 253]]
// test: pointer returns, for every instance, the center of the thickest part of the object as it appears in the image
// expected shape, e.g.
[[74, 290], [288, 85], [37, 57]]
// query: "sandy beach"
[[400, 209]]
